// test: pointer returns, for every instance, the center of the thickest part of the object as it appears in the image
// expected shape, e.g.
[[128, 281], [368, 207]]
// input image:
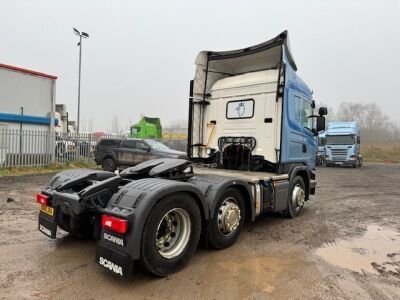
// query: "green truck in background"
[[147, 128]]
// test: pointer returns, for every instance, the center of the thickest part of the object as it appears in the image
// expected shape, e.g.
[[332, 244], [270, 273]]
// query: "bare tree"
[[331, 114], [369, 116], [374, 123]]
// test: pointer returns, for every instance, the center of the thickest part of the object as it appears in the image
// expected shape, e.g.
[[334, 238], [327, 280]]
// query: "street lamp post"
[[85, 36]]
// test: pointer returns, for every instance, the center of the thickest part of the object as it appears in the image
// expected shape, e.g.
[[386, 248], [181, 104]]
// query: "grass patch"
[[52, 168], [381, 152]]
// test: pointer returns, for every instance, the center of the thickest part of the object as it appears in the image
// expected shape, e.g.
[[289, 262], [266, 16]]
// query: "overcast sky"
[[140, 56]]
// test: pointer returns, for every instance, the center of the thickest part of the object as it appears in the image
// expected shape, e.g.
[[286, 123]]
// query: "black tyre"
[[356, 164], [109, 164], [296, 197], [171, 234], [227, 221]]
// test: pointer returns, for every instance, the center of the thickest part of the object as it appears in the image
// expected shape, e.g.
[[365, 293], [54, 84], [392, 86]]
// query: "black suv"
[[116, 153]]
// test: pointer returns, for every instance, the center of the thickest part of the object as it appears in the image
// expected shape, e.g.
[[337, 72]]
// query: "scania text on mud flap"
[[111, 266], [251, 150], [114, 239]]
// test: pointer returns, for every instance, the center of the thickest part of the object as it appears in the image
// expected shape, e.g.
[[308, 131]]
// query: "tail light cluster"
[[42, 199], [114, 224]]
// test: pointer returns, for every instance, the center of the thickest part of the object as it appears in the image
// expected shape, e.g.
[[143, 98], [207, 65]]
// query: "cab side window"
[[140, 145], [129, 144], [302, 111]]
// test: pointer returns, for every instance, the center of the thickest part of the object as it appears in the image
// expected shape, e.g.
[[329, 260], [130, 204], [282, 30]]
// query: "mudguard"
[[301, 168], [134, 202]]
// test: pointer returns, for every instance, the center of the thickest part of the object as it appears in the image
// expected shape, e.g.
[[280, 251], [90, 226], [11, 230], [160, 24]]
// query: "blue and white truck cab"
[[251, 102], [343, 144], [251, 150]]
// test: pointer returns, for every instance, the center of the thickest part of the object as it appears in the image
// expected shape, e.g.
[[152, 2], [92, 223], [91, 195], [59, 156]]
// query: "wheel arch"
[[212, 188], [247, 197], [200, 203], [150, 192], [304, 173], [108, 155]]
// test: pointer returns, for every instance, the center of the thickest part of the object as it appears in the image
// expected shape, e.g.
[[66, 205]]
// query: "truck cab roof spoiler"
[[212, 66], [280, 39]]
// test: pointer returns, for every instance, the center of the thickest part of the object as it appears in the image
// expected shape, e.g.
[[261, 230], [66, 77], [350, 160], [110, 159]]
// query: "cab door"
[[297, 146], [304, 113], [126, 152], [141, 152], [302, 145]]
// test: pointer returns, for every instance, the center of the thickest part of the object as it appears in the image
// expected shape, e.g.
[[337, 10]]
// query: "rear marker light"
[[115, 224], [42, 199]]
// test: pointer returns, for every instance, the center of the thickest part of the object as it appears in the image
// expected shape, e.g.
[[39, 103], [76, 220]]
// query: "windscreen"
[[135, 130], [340, 140]]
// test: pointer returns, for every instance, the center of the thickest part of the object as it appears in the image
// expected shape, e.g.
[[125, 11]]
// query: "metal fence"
[[27, 148], [180, 145]]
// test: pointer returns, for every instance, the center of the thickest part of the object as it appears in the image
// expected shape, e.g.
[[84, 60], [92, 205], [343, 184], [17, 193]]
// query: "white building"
[[27, 99], [27, 109]]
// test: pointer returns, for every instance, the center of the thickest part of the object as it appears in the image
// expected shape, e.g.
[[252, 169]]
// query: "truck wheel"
[[296, 197], [171, 234], [108, 164], [227, 221]]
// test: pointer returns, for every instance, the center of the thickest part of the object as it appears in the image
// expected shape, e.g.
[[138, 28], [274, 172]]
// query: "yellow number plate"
[[47, 209]]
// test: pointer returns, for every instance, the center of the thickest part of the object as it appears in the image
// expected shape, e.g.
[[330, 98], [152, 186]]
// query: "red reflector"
[[114, 224], [42, 199]]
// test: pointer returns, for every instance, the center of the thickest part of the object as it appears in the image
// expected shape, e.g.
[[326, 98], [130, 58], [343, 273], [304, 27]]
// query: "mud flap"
[[47, 226], [117, 263], [313, 185]]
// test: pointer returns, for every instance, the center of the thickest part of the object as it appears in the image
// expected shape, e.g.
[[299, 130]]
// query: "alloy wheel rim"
[[173, 233]]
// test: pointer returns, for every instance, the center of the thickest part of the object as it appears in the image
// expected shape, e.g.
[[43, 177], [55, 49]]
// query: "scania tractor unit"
[[251, 151], [343, 145]]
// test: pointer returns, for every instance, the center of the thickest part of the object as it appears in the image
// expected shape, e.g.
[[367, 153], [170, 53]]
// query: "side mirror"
[[323, 111], [320, 123]]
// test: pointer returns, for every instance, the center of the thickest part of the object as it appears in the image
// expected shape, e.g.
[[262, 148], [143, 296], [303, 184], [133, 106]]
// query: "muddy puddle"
[[376, 252]]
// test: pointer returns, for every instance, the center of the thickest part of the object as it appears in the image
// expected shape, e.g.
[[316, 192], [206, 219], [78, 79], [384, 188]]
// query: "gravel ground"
[[346, 245]]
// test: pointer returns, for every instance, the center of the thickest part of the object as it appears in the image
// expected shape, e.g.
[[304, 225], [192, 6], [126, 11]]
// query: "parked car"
[[118, 153], [69, 146], [65, 147]]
